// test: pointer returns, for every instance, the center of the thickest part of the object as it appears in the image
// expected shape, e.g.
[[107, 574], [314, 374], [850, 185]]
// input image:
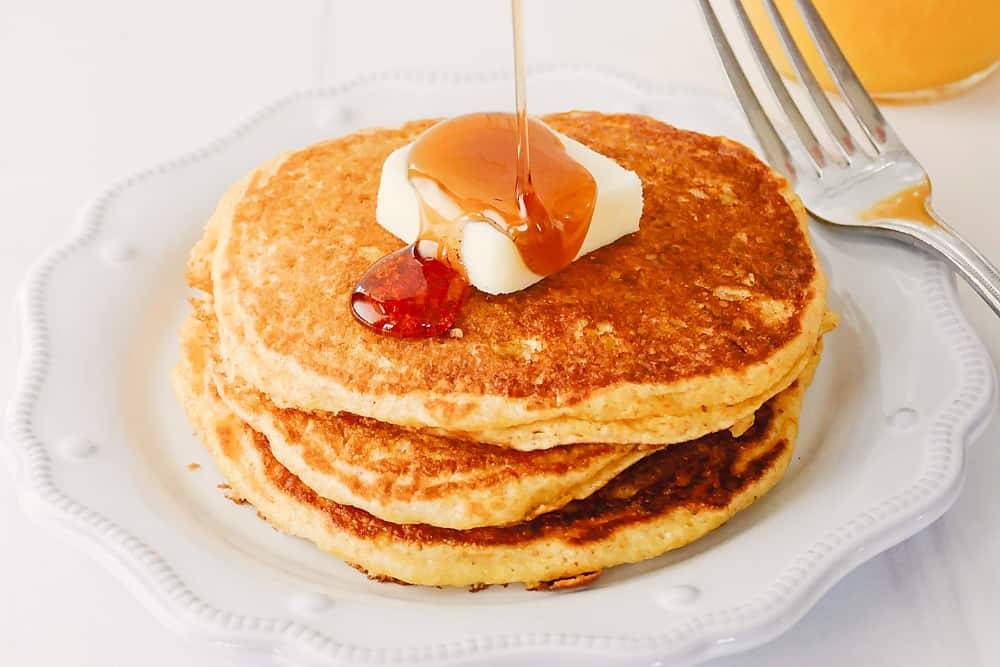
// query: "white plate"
[[101, 447]]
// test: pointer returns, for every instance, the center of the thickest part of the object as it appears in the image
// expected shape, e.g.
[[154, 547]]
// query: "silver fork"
[[843, 188]]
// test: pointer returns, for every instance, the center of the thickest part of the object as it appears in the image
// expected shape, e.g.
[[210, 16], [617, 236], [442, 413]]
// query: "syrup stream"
[[523, 183]]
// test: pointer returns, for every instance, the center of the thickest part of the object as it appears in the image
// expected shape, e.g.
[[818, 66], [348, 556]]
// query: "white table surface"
[[93, 91]]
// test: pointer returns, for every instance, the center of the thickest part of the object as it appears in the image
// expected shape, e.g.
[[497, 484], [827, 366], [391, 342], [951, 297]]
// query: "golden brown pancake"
[[651, 431], [662, 502], [408, 476], [714, 305]]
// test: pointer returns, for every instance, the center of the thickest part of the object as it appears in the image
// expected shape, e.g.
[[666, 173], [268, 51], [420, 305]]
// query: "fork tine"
[[799, 124], [774, 148], [834, 124], [860, 103]]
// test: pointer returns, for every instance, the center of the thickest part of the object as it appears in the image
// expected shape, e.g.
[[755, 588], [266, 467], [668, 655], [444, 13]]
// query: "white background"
[[91, 91]]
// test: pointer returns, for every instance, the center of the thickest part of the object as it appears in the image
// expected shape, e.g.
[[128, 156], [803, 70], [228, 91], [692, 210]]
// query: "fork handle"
[[981, 274]]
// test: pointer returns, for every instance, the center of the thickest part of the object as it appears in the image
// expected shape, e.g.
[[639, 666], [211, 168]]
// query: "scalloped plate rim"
[[152, 580]]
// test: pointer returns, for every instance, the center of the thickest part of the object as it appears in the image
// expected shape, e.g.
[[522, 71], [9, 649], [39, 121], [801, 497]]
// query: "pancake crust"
[[712, 303], [652, 431], [407, 476], [655, 430], [660, 503]]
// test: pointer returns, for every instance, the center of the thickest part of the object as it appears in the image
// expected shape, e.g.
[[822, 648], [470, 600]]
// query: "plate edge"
[[152, 578]]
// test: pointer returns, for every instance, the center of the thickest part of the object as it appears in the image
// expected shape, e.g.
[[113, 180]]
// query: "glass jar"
[[901, 49]]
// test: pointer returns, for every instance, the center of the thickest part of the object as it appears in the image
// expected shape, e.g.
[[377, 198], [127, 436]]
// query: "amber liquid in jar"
[[903, 50]]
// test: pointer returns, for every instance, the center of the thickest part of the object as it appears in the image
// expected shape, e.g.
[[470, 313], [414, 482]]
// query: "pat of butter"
[[491, 259]]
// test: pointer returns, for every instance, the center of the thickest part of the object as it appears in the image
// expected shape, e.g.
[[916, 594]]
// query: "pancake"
[[660, 503], [653, 431], [407, 476], [715, 304]]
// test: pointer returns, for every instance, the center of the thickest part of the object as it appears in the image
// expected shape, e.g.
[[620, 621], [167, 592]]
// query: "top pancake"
[[714, 302]]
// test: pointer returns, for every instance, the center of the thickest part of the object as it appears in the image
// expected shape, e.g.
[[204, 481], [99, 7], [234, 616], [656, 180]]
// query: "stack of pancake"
[[618, 409]]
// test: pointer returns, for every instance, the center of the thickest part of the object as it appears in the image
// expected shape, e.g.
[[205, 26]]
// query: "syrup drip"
[[907, 204], [506, 170], [473, 161], [408, 295]]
